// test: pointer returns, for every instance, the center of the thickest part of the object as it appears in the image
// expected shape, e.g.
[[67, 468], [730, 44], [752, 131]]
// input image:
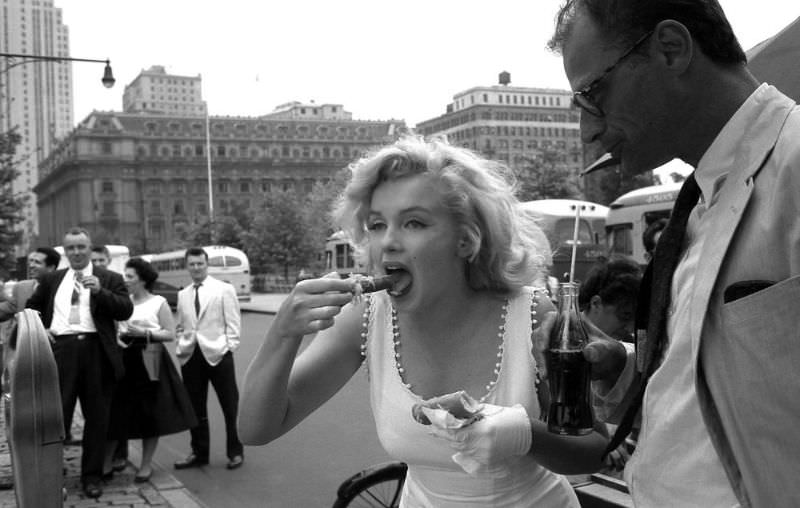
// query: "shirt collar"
[[87, 270], [720, 158]]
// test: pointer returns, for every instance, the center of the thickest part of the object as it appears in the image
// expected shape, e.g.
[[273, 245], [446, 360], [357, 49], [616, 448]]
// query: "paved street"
[[301, 469]]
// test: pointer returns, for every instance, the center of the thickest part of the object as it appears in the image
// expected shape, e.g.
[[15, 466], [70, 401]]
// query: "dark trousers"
[[197, 373], [85, 374]]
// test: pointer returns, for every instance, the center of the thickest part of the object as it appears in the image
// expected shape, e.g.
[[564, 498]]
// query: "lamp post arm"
[[51, 58]]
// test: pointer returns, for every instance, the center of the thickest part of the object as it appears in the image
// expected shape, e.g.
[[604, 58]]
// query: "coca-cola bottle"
[[568, 372]]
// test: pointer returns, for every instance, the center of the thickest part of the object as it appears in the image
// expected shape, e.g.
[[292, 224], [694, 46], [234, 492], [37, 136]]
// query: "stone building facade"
[[142, 180], [511, 123]]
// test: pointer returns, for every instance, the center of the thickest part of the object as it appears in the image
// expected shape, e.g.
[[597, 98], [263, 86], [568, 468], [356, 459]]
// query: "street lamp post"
[[107, 79]]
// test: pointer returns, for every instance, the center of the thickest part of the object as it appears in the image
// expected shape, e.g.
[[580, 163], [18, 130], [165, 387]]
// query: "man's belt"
[[79, 336]]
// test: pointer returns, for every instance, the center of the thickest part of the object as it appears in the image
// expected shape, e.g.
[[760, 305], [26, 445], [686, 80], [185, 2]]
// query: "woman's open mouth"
[[402, 280]]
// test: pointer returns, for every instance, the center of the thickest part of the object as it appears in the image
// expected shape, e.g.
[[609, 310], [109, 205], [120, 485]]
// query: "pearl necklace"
[[396, 345]]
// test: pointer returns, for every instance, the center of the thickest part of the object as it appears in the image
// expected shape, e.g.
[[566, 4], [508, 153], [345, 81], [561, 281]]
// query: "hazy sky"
[[381, 60]]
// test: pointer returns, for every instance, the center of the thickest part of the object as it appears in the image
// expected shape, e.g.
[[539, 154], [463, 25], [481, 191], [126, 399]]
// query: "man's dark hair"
[[648, 237], [624, 21], [615, 281], [195, 251], [51, 256], [102, 249], [144, 271]]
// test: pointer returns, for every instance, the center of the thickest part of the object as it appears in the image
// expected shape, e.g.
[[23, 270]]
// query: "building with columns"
[[35, 96], [511, 123], [142, 180]]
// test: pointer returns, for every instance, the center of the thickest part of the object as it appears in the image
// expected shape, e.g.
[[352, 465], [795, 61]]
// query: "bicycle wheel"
[[377, 486]]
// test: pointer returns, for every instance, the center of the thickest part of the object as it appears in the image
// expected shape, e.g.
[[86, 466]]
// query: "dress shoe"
[[119, 466], [191, 461], [93, 490], [235, 462]]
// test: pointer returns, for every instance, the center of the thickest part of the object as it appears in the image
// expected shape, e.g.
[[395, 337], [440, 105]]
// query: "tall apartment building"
[[35, 96], [141, 179], [511, 123], [155, 91]]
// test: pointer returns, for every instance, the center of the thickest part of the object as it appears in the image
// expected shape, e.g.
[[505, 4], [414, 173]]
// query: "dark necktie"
[[655, 291], [197, 299], [75, 300]]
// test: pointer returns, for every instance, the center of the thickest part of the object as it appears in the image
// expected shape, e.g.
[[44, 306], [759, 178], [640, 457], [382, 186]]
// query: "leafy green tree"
[[278, 238], [11, 205], [546, 176]]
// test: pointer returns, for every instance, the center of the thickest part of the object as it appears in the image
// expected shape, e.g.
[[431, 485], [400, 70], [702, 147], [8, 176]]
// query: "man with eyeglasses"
[[716, 374]]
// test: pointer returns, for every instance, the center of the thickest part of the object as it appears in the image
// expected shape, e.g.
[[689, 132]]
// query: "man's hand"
[[607, 355], [91, 282]]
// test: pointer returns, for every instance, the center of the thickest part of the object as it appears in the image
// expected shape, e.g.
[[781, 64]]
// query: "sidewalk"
[[163, 489]]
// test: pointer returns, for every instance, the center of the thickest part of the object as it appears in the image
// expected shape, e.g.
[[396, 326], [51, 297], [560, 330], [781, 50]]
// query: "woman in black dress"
[[150, 401]]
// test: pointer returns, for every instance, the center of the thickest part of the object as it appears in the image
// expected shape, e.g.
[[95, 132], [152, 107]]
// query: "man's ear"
[[673, 44], [595, 302]]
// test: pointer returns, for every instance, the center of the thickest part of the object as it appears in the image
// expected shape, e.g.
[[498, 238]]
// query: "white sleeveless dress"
[[433, 479]]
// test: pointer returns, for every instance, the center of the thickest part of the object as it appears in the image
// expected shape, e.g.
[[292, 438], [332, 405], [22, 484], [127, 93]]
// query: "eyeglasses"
[[583, 97]]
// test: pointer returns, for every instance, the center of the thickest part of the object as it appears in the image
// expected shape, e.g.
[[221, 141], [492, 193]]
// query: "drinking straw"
[[574, 243]]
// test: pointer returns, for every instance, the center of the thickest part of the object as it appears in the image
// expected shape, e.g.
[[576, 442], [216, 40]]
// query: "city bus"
[[224, 263], [557, 219], [630, 214], [119, 256]]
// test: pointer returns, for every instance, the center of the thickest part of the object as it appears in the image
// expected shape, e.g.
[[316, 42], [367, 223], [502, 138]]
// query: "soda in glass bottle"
[[568, 372]]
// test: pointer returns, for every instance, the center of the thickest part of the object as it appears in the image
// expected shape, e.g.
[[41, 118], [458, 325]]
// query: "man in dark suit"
[[42, 261], [79, 306]]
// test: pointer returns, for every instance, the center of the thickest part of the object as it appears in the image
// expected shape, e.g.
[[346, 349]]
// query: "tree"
[[545, 176], [608, 184], [11, 205], [317, 213], [278, 238]]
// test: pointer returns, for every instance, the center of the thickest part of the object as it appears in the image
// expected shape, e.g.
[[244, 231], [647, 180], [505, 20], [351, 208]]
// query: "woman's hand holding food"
[[483, 435], [312, 305]]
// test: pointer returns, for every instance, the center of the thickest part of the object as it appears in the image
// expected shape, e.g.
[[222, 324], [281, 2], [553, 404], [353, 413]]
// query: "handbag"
[[151, 357]]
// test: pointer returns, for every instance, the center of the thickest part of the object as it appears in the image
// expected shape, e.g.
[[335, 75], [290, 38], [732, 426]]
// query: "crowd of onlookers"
[[109, 335]]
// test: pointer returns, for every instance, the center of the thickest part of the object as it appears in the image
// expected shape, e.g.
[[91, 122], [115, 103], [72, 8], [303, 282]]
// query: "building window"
[[107, 186], [244, 187], [222, 186], [179, 207]]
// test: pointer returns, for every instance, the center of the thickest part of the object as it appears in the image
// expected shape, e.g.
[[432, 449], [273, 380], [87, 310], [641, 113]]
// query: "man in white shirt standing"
[[718, 380], [207, 328], [79, 306]]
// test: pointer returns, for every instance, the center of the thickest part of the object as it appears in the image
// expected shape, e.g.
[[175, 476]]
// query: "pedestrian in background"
[[208, 333], [717, 378], [143, 407], [102, 257], [79, 306]]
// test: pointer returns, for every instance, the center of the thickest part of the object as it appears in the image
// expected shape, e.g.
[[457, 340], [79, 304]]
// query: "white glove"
[[500, 433]]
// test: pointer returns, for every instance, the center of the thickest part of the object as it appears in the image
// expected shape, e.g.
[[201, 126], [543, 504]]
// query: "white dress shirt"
[[62, 304]]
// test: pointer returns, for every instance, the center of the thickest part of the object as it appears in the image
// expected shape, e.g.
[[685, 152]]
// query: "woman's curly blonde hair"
[[509, 250]]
